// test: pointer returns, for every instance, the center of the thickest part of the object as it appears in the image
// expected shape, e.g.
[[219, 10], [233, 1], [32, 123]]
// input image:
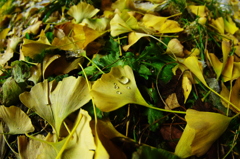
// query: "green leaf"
[[152, 153], [20, 71], [11, 90], [153, 116], [144, 71]]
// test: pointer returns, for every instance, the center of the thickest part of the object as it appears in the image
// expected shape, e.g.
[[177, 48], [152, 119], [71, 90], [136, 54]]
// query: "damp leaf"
[[116, 89], [201, 131]]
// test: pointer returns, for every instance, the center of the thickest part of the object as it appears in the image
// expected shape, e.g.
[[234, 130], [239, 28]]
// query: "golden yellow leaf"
[[12, 116], [81, 11], [186, 85], [55, 101], [216, 64], [198, 10], [233, 97], [123, 23], [106, 133], [160, 24], [195, 67], [133, 37], [3, 35], [78, 37], [230, 26], [175, 47], [116, 89], [31, 48], [218, 24], [227, 72], [201, 131]]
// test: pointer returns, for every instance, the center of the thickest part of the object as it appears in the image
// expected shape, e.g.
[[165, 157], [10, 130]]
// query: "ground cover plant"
[[119, 79]]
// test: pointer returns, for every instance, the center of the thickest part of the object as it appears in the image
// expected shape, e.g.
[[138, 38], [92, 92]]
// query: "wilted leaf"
[[3, 35], [175, 47], [116, 89], [55, 101], [11, 90], [172, 101], [4, 147], [20, 71], [82, 10], [201, 131], [16, 120]]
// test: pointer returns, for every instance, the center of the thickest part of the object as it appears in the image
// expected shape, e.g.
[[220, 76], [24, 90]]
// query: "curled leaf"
[[175, 47], [201, 131]]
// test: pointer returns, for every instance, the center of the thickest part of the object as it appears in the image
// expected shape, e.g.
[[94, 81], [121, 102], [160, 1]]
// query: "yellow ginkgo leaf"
[[218, 24], [107, 132], [230, 26], [116, 89], [201, 131], [133, 37], [82, 10], [175, 47], [228, 69], [235, 97], [3, 35], [31, 48], [195, 67], [198, 10], [123, 23], [236, 70], [160, 24], [55, 101], [186, 85], [11, 117], [216, 64]]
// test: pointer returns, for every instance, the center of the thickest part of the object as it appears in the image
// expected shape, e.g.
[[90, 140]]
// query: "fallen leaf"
[[230, 26], [81, 11], [175, 47], [172, 102], [133, 37], [55, 101], [195, 67], [31, 48], [186, 85], [201, 131], [218, 24], [116, 89], [123, 23], [11, 117], [198, 10]]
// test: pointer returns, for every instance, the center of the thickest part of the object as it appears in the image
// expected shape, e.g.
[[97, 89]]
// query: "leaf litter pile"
[[119, 79]]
